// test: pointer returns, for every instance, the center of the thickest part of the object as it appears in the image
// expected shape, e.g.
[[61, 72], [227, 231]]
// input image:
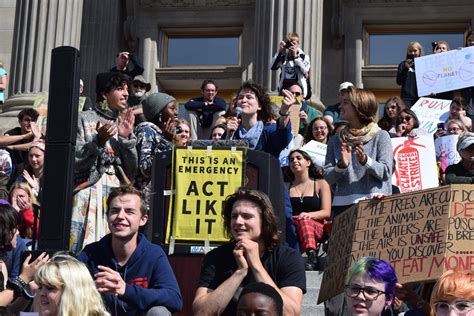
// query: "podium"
[[262, 172]]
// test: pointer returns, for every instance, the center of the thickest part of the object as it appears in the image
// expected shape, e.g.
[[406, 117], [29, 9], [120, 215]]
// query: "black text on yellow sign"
[[203, 180]]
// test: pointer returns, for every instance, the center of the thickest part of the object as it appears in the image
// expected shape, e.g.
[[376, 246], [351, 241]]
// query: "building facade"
[[361, 41]]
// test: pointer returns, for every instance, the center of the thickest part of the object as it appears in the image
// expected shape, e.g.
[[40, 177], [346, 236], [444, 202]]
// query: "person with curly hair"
[[253, 254], [310, 197]]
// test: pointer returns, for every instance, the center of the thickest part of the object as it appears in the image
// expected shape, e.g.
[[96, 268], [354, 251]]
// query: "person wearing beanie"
[[463, 171], [105, 157], [154, 135]]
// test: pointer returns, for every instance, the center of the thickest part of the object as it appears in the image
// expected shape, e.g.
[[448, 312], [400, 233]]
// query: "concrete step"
[[312, 310], [309, 305]]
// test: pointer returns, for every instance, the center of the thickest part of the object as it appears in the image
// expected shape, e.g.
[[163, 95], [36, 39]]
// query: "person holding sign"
[[252, 255], [406, 74], [359, 157], [370, 287], [310, 197], [454, 291], [463, 171]]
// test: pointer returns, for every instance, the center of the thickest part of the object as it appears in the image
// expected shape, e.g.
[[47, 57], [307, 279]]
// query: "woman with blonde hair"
[[406, 74], [454, 290], [23, 199], [183, 133], [66, 288]]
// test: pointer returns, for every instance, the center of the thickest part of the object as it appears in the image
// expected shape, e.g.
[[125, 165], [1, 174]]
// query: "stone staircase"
[[310, 306]]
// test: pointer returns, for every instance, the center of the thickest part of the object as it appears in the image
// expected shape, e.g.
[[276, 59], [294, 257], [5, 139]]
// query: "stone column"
[[101, 34], [273, 20], [40, 26]]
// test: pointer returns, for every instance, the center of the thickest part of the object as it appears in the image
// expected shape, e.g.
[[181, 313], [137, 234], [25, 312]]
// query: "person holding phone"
[[154, 136], [406, 74]]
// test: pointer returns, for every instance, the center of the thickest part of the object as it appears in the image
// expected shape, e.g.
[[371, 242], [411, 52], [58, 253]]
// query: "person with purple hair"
[[370, 287]]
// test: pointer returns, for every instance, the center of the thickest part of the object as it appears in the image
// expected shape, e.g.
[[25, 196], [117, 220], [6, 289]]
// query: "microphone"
[[237, 112]]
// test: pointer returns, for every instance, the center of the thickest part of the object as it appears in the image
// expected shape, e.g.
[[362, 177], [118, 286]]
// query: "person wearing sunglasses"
[[453, 294], [408, 124], [393, 107], [370, 287]]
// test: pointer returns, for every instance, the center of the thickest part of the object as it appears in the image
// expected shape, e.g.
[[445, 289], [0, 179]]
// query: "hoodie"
[[148, 274]]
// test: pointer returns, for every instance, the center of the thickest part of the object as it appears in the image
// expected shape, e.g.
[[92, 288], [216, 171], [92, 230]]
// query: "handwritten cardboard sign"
[[446, 152], [421, 234], [430, 112], [446, 71], [415, 163]]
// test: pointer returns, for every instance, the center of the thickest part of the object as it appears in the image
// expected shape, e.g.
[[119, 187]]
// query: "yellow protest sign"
[[203, 179]]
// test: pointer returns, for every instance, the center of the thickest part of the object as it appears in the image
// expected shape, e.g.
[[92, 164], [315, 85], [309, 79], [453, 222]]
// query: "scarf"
[[355, 136], [252, 135]]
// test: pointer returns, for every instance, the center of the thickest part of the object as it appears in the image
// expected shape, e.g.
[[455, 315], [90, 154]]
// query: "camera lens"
[[179, 129]]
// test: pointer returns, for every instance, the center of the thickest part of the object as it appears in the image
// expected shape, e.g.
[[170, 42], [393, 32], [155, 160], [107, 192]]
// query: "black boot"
[[311, 260]]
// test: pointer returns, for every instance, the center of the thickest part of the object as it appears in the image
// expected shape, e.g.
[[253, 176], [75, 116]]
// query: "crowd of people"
[[119, 272]]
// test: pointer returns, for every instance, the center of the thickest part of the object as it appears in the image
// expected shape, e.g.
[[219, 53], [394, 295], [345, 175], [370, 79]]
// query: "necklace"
[[301, 196]]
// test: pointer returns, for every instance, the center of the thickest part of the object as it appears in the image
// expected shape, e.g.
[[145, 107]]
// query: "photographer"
[[406, 74], [294, 64]]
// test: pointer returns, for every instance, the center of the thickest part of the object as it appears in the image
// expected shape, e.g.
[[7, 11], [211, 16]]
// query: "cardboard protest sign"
[[415, 163], [41, 105], [446, 151], [446, 71], [421, 234], [203, 179], [294, 112], [317, 151], [430, 112]]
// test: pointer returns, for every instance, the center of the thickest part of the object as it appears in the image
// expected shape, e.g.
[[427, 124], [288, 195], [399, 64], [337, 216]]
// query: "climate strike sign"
[[203, 179]]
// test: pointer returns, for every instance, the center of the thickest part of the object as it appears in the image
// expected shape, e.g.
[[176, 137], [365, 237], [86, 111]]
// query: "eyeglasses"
[[460, 308], [319, 128], [369, 292], [453, 129], [404, 118]]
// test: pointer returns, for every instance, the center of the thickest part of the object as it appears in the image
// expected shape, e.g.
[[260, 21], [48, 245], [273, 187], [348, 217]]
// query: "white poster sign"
[[446, 71], [317, 151], [430, 112], [415, 163], [295, 143], [446, 151]]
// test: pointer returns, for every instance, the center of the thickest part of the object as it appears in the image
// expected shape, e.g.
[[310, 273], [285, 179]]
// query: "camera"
[[179, 129], [288, 44], [441, 125], [410, 56]]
